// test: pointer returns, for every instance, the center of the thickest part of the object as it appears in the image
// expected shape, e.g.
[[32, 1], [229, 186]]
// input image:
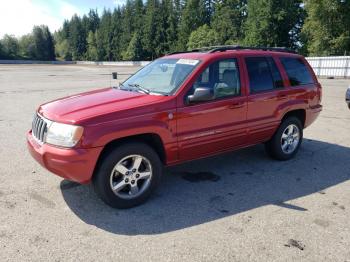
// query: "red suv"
[[181, 107]]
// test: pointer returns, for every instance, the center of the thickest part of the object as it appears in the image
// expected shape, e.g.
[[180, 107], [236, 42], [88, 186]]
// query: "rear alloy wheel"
[[290, 139], [286, 141], [128, 175]]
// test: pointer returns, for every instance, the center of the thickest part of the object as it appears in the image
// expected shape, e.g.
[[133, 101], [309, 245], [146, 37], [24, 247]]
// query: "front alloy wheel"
[[131, 176], [127, 175]]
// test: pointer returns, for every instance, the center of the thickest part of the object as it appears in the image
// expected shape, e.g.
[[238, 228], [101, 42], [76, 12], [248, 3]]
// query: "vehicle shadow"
[[209, 189]]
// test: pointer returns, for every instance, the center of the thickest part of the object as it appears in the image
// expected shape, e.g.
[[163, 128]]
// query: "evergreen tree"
[[49, 44], [77, 38], [104, 37], [202, 37], [93, 21], [134, 51], [172, 19], [153, 33], [2, 51], [127, 14], [273, 23], [117, 32], [193, 16], [327, 27], [228, 21], [92, 54]]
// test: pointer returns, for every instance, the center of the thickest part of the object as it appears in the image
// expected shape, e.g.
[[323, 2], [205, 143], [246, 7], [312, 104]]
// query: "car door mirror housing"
[[201, 94]]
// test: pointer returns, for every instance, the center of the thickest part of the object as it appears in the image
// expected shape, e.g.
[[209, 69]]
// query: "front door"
[[218, 124]]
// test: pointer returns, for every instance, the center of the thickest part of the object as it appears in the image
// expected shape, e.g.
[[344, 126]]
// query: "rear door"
[[212, 126], [266, 96]]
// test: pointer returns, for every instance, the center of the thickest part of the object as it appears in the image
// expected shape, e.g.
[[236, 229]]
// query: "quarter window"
[[298, 73]]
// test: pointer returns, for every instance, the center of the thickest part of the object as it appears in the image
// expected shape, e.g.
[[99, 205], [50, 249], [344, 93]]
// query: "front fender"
[[101, 134]]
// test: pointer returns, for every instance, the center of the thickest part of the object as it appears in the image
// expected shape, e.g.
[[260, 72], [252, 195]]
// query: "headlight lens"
[[63, 135]]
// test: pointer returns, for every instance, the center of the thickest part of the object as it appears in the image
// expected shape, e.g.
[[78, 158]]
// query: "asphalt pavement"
[[240, 206]]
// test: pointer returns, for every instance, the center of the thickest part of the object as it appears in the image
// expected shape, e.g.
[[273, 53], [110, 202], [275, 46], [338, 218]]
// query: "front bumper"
[[73, 164]]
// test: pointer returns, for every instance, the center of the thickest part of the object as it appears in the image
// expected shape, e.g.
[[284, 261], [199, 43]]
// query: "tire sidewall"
[[101, 179], [275, 145]]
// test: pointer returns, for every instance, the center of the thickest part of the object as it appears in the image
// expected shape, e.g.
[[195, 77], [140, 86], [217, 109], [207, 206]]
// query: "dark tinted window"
[[298, 73], [221, 77], [259, 72], [277, 79]]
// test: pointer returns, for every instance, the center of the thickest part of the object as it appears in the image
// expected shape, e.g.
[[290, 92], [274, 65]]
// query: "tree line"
[[38, 45], [144, 30]]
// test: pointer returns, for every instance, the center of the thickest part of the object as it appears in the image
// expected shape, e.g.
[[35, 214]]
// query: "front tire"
[[286, 141], [128, 175]]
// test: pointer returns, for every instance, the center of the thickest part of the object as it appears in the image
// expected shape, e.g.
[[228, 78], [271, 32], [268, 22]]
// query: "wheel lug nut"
[[132, 181], [126, 180], [134, 170], [137, 176]]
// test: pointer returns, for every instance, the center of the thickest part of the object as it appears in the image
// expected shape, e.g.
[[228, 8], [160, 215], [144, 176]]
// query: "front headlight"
[[63, 135]]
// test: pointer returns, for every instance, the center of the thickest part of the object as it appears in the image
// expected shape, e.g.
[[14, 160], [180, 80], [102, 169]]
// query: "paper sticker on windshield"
[[191, 62]]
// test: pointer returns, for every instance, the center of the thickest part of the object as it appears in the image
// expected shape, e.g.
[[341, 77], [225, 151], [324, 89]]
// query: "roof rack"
[[223, 48], [238, 47]]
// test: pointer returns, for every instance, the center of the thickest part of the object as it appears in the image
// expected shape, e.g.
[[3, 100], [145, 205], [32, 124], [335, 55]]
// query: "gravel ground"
[[240, 206]]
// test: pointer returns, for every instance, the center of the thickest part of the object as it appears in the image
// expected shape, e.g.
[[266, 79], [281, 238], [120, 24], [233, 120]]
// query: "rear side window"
[[298, 73], [276, 75], [263, 74]]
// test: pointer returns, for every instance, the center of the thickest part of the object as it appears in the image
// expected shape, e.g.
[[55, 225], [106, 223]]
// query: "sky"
[[19, 16]]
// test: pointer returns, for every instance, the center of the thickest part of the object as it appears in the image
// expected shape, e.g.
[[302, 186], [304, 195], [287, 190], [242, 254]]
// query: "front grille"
[[39, 128]]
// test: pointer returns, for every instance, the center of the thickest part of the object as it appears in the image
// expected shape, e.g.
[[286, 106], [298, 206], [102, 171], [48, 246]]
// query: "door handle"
[[236, 105], [282, 96]]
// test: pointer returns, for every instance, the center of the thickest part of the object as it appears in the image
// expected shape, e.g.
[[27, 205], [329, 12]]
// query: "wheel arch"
[[151, 139], [298, 113]]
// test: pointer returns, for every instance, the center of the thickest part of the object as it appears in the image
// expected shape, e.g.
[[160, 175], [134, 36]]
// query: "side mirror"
[[201, 94], [115, 75]]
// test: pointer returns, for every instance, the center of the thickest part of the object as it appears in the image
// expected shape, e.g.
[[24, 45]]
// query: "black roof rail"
[[182, 52], [238, 47], [223, 48]]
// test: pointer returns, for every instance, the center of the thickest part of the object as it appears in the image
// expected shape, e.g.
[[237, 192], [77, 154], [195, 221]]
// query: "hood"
[[74, 109]]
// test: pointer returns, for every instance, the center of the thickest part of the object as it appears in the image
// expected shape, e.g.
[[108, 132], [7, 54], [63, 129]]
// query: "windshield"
[[163, 76]]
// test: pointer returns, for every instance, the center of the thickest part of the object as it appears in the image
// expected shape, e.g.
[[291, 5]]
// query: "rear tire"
[[128, 175], [287, 139]]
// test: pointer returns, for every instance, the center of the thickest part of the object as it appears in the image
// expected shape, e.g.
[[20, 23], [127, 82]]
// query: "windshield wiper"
[[121, 87], [142, 89]]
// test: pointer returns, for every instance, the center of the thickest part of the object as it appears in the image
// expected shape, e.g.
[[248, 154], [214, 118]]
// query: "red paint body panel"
[[194, 131], [73, 164]]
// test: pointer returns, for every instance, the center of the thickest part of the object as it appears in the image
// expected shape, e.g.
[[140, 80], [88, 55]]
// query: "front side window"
[[221, 77], [263, 74], [163, 76], [298, 73]]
